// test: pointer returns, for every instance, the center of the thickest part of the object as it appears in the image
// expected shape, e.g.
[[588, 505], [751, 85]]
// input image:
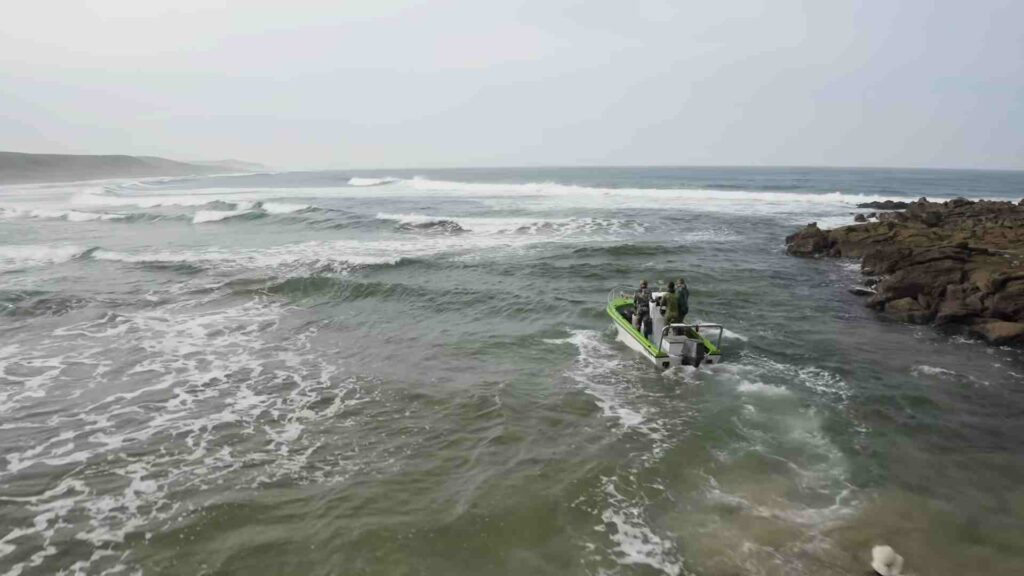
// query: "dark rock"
[[886, 205], [1008, 303], [999, 332], [809, 241], [909, 310], [892, 217], [953, 262], [860, 218]]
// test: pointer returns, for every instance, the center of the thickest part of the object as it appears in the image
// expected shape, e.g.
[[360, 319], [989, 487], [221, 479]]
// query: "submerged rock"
[[955, 263]]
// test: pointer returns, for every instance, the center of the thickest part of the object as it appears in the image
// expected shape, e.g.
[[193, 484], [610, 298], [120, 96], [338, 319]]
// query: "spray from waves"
[[357, 181]]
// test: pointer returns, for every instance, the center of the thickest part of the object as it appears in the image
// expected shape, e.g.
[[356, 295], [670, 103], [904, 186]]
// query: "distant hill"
[[20, 168]]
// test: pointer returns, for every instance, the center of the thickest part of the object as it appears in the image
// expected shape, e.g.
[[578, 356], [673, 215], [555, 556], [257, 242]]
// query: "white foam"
[[202, 370], [931, 371], [216, 215], [524, 226], [57, 214], [726, 333], [687, 194], [595, 369], [762, 388], [282, 207], [13, 257], [314, 254], [357, 181], [636, 543]]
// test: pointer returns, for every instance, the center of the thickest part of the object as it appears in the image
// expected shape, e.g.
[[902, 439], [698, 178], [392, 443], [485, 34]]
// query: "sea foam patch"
[[228, 400]]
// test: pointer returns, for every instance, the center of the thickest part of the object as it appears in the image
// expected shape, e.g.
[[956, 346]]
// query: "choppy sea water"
[[412, 373]]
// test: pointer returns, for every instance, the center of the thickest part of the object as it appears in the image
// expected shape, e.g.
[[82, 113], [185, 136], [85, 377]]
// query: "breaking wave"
[[217, 215], [687, 194], [357, 181], [51, 214], [14, 257], [521, 225]]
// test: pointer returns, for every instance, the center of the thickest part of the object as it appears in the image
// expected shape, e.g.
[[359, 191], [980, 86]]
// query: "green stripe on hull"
[[613, 311]]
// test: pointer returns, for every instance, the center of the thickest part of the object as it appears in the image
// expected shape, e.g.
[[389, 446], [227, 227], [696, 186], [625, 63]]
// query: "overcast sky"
[[368, 83]]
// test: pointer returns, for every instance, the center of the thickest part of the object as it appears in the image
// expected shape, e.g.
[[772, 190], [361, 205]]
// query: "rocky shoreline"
[[954, 263]]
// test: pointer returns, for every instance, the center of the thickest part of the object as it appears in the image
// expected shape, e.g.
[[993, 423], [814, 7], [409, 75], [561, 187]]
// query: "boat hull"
[[669, 351]]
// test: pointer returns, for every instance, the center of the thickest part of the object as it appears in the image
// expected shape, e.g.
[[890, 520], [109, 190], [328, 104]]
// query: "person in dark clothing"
[[683, 298], [642, 305]]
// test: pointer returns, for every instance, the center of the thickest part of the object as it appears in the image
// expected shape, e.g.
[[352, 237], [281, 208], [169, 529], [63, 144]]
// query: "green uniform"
[[671, 308]]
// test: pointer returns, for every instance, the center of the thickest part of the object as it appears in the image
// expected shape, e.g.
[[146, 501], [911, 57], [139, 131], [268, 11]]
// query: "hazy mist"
[[465, 83]]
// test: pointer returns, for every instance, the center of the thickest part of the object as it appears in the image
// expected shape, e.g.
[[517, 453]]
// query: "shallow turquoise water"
[[412, 373]]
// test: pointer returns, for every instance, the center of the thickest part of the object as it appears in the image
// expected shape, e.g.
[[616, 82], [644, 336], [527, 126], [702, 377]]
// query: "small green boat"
[[670, 344]]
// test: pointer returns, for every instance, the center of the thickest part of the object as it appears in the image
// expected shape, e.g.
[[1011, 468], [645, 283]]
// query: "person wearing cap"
[[642, 305], [670, 302]]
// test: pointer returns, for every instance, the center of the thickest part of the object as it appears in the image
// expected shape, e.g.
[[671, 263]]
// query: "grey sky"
[[306, 84]]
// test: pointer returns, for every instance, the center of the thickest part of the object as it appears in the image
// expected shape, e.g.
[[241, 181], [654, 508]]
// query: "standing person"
[[671, 302], [642, 306], [683, 297]]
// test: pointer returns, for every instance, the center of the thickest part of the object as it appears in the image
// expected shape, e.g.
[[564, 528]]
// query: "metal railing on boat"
[[696, 328]]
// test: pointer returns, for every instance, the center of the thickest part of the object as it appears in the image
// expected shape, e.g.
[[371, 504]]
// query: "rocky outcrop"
[[885, 205], [958, 262]]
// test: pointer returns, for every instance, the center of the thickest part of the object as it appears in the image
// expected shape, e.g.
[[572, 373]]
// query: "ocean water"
[[411, 372]]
